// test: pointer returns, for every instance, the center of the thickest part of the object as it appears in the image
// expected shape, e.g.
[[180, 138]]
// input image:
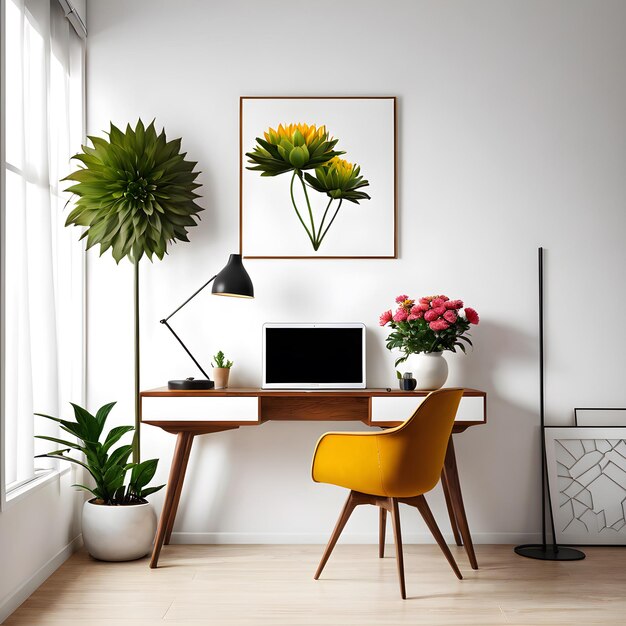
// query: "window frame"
[[43, 477], [3, 502]]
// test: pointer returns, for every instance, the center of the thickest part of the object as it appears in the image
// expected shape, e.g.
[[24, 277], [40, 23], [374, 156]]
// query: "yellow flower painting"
[[317, 177], [300, 148]]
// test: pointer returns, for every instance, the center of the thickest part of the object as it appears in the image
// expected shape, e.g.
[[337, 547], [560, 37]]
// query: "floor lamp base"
[[549, 552]]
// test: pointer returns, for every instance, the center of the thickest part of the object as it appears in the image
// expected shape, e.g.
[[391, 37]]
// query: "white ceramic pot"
[[430, 370], [118, 533]]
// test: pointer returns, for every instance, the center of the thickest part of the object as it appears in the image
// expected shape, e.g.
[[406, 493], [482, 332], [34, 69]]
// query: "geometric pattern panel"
[[587, 477]]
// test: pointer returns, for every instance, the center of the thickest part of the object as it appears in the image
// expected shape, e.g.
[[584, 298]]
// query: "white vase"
[[430, 370], [118, 533]]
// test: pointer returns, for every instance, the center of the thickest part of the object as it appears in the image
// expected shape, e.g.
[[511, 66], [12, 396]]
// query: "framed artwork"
[[317, 177], [600, 417], [587, 482]]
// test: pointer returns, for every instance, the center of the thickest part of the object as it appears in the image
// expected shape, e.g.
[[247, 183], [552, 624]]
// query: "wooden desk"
[[190, 413]]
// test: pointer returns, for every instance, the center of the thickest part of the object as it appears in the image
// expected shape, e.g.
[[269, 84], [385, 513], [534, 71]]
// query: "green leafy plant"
[[108, 467], [221, 361], [136, 195]]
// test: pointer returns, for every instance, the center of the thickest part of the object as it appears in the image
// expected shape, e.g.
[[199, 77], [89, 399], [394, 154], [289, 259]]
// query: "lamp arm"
[[180, 341], [189, 299]]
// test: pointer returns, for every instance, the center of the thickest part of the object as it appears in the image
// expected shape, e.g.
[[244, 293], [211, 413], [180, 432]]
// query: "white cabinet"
[[400, 408], [183, 409]]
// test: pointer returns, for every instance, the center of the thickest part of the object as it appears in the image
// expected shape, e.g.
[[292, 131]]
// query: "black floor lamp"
[[232, 280], [545, 551]]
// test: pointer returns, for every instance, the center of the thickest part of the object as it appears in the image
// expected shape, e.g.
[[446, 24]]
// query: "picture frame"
[[318, 177], [586, 468], [600, 417]]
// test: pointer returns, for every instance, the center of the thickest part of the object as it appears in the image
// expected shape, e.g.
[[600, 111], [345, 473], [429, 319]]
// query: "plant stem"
[[319, 241], [308, 203], [293, 201], [434, 344], [136, 438]]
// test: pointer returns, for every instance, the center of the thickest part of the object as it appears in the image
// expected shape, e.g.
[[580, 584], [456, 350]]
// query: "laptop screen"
[[323, 355]]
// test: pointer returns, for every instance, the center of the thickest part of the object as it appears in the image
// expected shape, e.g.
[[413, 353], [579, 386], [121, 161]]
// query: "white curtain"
[[44, 272]]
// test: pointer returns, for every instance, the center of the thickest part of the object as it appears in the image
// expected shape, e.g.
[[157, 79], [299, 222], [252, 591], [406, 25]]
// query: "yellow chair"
[[398, 465]]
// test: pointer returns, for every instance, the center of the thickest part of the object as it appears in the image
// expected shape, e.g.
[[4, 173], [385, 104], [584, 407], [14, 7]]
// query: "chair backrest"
[[411, 455]]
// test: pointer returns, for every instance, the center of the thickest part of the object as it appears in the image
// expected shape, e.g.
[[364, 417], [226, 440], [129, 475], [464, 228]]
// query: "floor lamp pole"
[[137, 435], [545, 551]]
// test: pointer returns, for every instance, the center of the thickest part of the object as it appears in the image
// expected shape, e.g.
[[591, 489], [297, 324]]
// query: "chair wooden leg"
[[348, 507], [382, 527], [422, 506], [397, 535]]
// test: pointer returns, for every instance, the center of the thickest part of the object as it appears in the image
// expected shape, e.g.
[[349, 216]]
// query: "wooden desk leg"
[[453, 523], [454, 485], [179, 489], [177, 474]]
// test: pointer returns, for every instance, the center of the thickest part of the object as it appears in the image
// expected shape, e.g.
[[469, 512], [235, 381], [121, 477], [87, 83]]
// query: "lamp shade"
[[233, 280]]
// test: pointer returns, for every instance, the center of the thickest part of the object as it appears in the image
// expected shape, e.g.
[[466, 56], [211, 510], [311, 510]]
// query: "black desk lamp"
[[232, 280]]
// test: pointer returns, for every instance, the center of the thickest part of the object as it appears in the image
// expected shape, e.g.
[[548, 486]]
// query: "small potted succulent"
[[423, 330], [118, 522], [221, 370]]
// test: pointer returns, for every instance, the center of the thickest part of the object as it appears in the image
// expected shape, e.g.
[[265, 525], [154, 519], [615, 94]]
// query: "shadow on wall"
[[377, 354], [209, 474], [508, 446], [265, 470], [497, 347]]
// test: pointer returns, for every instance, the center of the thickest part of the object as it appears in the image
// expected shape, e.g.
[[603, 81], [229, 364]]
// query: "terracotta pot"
[[220, 377]]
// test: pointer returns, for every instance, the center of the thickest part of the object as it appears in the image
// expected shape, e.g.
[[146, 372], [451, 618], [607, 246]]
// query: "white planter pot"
[[118, 533], [430, 370]]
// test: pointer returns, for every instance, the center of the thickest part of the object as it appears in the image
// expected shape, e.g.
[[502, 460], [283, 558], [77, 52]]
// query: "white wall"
[[511, 135], [37, 533]]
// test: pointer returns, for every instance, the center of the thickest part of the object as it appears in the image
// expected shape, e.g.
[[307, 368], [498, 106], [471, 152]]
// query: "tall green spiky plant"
[[136, 194]]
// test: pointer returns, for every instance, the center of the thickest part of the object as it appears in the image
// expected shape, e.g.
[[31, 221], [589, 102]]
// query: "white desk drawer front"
[[398, 409], [393, 409], [220, 409]]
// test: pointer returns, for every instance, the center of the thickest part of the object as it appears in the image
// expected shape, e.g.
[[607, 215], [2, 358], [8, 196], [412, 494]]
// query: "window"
[[43, 263]]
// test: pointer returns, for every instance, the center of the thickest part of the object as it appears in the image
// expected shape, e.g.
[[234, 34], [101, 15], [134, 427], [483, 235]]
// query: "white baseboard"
[[13, 601], [352, 538]]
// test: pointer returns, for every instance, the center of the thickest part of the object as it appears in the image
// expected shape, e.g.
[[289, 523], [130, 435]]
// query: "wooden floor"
[[273, 585]]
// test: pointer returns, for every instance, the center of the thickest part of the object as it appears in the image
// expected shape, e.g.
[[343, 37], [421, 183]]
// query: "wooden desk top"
[[285, 405], [161, 392]]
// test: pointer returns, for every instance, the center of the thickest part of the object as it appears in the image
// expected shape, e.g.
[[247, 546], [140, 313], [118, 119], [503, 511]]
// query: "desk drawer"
[[220, 409], [399, 409]]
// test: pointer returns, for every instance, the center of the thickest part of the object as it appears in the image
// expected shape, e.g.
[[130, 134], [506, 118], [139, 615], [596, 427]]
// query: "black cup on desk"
[[407, 384]]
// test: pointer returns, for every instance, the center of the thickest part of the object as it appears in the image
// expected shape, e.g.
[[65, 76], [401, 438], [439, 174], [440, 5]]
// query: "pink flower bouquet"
[[433, 324]]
